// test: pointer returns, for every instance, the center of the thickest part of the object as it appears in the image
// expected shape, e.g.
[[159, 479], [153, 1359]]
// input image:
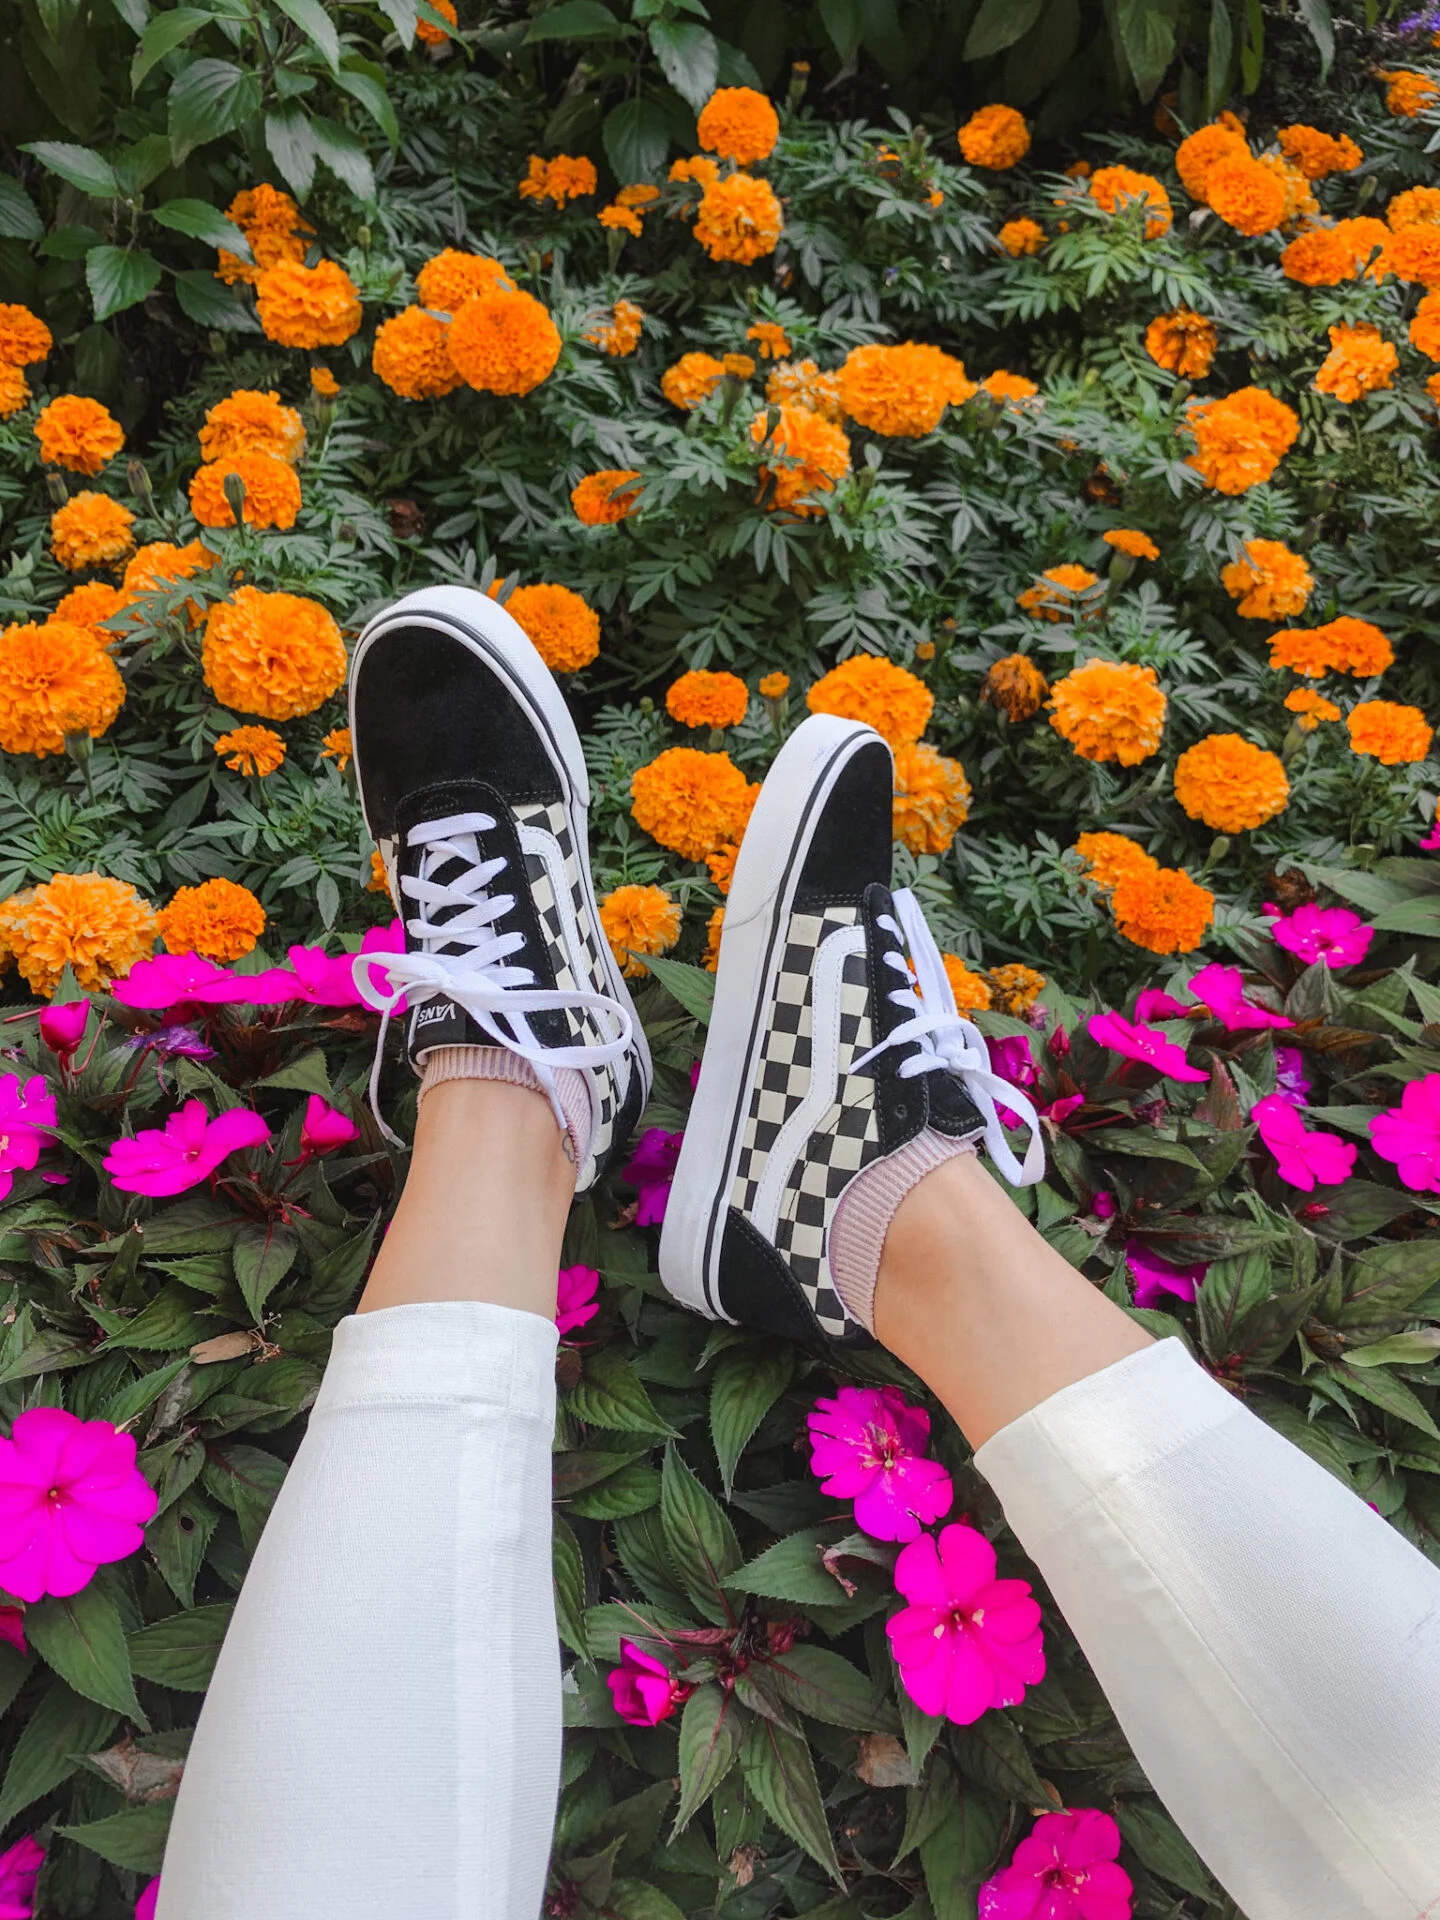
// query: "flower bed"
[[1105, 492]]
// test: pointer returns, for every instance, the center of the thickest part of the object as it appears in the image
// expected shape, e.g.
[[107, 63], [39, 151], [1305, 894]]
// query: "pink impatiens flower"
[[145, 1905], [1065, 1869], [868, 1446], [643, 1688], [1291, 1081], [19, 1869], [187, 1151], [650, 1170], [1409, 1135], [576, 1302], [27, 1119], [1146, 1044], [1302, 1158], [324, 1128], [71, 1499], [1223, 991], [1153, 1276], [967, 1642], [1332, 934], [1155, 1004], [62, 1026]]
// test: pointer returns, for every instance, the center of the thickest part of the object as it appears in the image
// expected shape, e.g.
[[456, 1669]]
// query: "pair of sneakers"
[[834, 1047]]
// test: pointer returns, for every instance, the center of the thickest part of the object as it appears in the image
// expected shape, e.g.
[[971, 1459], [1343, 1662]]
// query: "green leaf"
[[210, 98], [828, 1688], [781, 1774], [689, 58], [58, 1732], [345, 157], [170, 1324], [693, 987], [141, 163], [637, 138], [203, 222], [210, 303], [120, 277], [264, 1253], [138, 1395], [844, 23], [711, 1729], [19, 219], [575, 20], [794, 1569], [364, 81], [959, 1852], [1139, 1144], [293, 145], [246, 1480], [181, 1651], [402, 16], [1387, 1391], [83, 1639], [317, 26], [134, 1837], [634, 1489], [611, 1395], [78, 165], [1232, 1287], [569, 1571], [1383, 1283], [1162, 1847], [699, 1538], [748, 1382], [992, 1754], [638, 1900], [1316, 15], [162, 35], [1147, 33], [999, 24], [1416, 1349]]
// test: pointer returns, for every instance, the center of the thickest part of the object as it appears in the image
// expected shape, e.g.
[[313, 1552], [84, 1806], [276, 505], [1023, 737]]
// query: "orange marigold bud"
[[323, 382], [1016, 686], [774, 686], [1392, 734], [301, 306], [619, 219], [275, 654], [739, 124], [504, 342], [995, 137], [78, 434], [1182, 342], [1109, 710], [219, 920], [703, 699], [92, 530], [691, 802], [1164, 911], [1269, 583], [639, 920], [1012, 388], [1310, 708], [338, 746], [1132, 541], [898, 704], [1229, 784], [250, 750], [932, 799]]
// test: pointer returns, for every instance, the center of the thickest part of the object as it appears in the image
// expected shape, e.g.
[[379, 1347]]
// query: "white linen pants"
[[382, 1737]]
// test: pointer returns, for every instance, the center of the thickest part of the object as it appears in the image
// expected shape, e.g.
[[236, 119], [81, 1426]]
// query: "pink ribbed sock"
[[572, 1088], [857, 1235]]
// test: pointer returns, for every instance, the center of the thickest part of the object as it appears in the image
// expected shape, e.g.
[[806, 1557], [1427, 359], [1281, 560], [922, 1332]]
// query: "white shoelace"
[[947, 1043], [498, 996]]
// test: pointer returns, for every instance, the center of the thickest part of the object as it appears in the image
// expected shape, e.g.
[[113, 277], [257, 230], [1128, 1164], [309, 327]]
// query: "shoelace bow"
[[498, 996], [947, 1043]]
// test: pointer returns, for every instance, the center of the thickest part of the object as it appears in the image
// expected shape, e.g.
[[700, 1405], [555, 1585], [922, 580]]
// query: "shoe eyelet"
[[902, 1113]]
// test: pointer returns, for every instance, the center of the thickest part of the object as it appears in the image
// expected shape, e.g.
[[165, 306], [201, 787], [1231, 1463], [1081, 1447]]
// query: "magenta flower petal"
[[71, 1499], [865, 1446], [1154, 1004], [968, 1642], [145, 1905], [1332, 934], [643, 1689], [1154, 1277], [650, 1170], [1303, 1159], [19, 1869], [325, 1128], [1145, 1044], [1408, 1136], [62, 1027], [1222, 989], [12, 1628], [1063, 1870], [188, 1150], [576, 1303]]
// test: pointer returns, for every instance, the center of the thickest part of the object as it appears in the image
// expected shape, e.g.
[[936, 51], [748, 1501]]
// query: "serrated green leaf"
[[134, 1838], [699, 1538], [748, 1381], [19, 218], [781, 1774], [637, 139], [693, 987], [999, 24], [119, 277], [264, 1252], [712, 1727], [825, 1686], [575, 20], [64, 1726], [689, 58], [209, 98], [88, 171], [317, 26], [83, 1639], [1162, 1847], [181, 1652], [203, 222], [163, 33]]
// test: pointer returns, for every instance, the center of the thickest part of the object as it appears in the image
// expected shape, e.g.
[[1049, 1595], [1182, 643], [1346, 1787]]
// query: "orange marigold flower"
[[379, 881], [739, 219], [1164, 911], [1111, 858], [562, 627], [272, 491], [445, 283], [1425, 327], [1327, 255], [1229, 784], [1388, 732], [692, 379], [932, 799], [250, 422], [78, 434], [251, 750], [161, 564], [24, 336], [1269, 583], [1240, 439], [1414, 254], [1115, 188], [323, 382], [1246, 195], [1319, 154], [618, 219], [432, 34], [636, 921], [703, 699], [1016, 686], [1407, 94], [739, 124], [1415, 207], [814, 455], [267, 249], [412, 355], [901, 391], [1011, 387], [1182, 343], [1359, 648], [338, 746], [739, 366], [691, 802], [1109, 710], [92, 530], [1301, 206], [561, 179], [712, 940], [219, 919], [1359, 362], [504, 342], [1015, 988], [620, 334], [867, 688], [88, 606], [1059, 593], [1019, 237], [640, 195], [54, 680], [774, 686], [275, 654], [770, 340], [14, 390], [971, 990], [301, 306], [700, 170], [603, 498], [1132, 541], [995, 137], [1204, 149], [722, 865], [1310, 708], [800, 383], [1432, 387], [96, 926]]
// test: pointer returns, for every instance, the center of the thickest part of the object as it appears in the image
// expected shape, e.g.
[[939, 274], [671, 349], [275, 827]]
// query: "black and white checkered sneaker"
[[828, 1048], [475, 790]]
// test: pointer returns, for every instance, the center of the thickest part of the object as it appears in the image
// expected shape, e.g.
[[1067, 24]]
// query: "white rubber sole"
[[752, 944], [496, 637]]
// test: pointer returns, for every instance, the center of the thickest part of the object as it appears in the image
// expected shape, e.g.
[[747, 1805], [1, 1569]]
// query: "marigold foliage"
[[995, 137], [1269, 582], [251, 422], [272, 491], [91, 530], [275, 654], [601, 499], [739, 124], [1240, 439], [739, 219], [815, 454], [449, 279], [932, 798], [639, 920], [563, 629], [54, 680], [1182, 343], [971, 990], [1229, 784], [1388, 732], [1115, 188], [24, 336], [412, 356], [251, 750], [898, 704], [96, 926], [691, 802], [901, 391], [1016, 686], [1109, 710], [1164, 911], [701, 698], [300, 306], [219, 920], [1359, 362], [504, 342], [78, 434], [1112, 857]]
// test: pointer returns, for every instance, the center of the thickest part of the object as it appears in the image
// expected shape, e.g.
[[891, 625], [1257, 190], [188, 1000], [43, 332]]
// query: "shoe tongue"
[[441, 802]]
